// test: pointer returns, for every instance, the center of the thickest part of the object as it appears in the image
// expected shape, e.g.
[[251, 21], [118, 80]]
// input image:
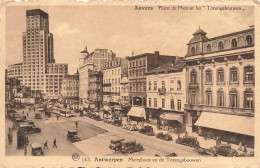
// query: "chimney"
[[156, 54]]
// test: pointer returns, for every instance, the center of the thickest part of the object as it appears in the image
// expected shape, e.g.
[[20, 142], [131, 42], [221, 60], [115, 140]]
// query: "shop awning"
[[231, 123], [172, 116], [137, 112]]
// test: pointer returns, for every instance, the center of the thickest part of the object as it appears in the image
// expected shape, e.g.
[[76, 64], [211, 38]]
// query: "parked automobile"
[[130, 146], [126, 126], [147, 130], [37, 149], [224, 150], [166, 137], [73, 136], [133, 127], [165, 155], [27, 122], [29, 129], [187, 140], [115, 144], [38, 116], [250, 154], [205, 151], [117, 122], [97, 118]]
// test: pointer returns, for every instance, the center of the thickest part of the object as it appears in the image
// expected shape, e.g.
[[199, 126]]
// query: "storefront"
[[230, 128], [136, 114], [172, 122]]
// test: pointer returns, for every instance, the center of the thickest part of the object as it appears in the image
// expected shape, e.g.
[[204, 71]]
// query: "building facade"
[[15, 71], [95, 92], [166, 93], [137, 66], [54, 76], [220, 75], [124, 92], [113, 71], [70, 86], [90, 62], [39, 70]]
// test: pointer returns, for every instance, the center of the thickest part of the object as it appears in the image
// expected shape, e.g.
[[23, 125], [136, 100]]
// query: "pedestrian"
[[57, 117], [245, 150], [23, 111], [27, 114], [76, 124], [186, 133], [54, 143], [9, 129], [46, 145]]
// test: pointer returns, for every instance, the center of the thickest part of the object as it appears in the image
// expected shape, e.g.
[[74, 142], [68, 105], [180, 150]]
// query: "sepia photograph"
[[129, 81]]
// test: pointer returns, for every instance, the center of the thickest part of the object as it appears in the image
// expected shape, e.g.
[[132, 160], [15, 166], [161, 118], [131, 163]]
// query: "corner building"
[[220, 75]]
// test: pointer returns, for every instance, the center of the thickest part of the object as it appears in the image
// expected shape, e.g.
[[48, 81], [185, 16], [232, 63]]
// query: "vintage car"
[[130, 146], [37, 149], [73, 136], [29, 122], [166, 137], [250, 154], [224, 150], [147, 130], [29, 129], [37, 116], [133, 127], [97, 118], [205, 151], [117, 122], [126, 126], [165, 155], [115, 144], [187, 140]]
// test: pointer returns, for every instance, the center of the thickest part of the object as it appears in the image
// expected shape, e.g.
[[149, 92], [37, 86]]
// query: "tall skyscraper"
[[38, 55]]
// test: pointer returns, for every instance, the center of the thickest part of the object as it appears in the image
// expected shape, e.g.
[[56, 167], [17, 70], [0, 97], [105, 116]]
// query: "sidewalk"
[[203, 143]]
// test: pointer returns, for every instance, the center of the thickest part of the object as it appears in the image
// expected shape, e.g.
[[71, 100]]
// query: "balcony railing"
[[193, 85], [216, 109], [162, 91]]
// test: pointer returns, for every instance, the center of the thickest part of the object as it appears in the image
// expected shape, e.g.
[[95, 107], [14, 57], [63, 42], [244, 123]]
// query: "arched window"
[[208, 48], [193, 97], [220, 98], [220, 46], [233, 74], [220, 75], [208, 97], [249, 99], [249, 74], [249, 40], [193, 76], [208, 76], [233, 98], [234, 43], [193, 51]]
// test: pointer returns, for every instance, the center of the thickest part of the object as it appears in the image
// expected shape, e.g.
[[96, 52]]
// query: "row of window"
[[106, 81], [234, 44], [137, 73], [114, 72], [178, 86], [233, 98], [172, 106], [138, 87], [248, 75], [137, 63]]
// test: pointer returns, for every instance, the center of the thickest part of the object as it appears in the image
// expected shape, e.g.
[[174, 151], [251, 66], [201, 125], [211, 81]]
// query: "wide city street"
[[95, 138]]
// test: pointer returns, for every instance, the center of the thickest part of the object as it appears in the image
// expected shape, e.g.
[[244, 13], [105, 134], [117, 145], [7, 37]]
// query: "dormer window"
[[193, 51], [234, 43], [249, 40], [220, 46], [208, 48]]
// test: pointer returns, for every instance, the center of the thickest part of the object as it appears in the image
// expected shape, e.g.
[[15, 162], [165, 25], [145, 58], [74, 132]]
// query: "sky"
[[121, 29]]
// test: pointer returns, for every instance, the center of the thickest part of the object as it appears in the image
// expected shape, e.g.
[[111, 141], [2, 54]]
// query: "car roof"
[[72, 130], [128, 140], [36, 145], [117, 139], [25, 125]]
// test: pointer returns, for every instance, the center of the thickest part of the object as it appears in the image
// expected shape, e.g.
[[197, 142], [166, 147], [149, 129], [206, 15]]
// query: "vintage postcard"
[[129, 84]]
